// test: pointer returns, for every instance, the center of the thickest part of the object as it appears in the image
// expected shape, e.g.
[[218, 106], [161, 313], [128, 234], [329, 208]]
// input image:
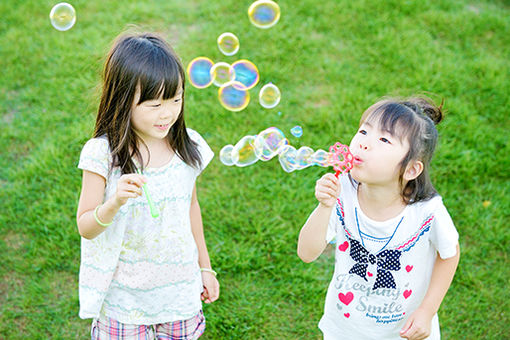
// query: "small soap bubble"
[[226, 155], [246, 73], [264, 13], [268, 142], [228, 43], [304, 157], [199, 72], [243, 153], [287, 158], [320, 157], [297, 131], [233, 96], [222, 73], [269, 96], [63, 16]]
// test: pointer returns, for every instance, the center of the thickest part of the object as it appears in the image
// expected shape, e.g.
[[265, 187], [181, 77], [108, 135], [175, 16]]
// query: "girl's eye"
[[177, 100], [363, 132], [384, 140], [155, 105]]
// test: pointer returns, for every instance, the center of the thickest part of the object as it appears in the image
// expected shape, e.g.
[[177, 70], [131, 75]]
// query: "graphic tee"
[[382, 269], [143, 270]]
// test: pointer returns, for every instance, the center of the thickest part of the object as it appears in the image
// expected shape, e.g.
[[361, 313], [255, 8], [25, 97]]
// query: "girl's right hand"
[[327, 189], [129, 186]]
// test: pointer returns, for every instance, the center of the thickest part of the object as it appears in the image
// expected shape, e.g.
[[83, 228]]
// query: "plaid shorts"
[[109, 329]]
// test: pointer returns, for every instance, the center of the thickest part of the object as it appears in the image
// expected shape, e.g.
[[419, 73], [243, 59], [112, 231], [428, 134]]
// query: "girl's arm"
[[418, 324], [92, 193], [211, 285], [312, 238]]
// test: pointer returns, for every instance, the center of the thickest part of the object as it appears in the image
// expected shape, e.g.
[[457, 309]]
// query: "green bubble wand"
[[152, 207]]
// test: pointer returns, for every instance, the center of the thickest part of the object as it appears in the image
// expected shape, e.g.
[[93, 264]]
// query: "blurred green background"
[[331, 59]]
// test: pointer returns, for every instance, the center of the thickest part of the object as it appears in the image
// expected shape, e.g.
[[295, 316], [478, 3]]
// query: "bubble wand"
[[340, 157], [152, 207]]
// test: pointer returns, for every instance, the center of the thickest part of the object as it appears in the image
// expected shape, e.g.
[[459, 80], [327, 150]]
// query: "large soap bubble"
[[269, 96], [234, 96], [243, 153], [304, 157], [222, 73], [228, 43], [246, 73], [63, 16], [268, 142], [264, 13], [199, 72]]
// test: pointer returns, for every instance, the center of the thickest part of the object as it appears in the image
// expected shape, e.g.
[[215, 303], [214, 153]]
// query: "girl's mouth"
[[163, 127], [357, 160]]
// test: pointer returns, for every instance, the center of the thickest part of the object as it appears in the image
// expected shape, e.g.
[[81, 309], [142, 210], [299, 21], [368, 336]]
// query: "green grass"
[[331, 59]]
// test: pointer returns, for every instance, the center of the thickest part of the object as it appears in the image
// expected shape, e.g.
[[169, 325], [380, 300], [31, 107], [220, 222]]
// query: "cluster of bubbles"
[[236, 79], [63, 16], [269, 143]]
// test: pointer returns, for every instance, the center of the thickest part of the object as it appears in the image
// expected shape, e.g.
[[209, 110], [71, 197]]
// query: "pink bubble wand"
[[340, 157]]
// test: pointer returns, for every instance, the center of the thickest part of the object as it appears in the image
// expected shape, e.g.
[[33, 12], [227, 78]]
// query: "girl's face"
[[377, 155], [152, 119]]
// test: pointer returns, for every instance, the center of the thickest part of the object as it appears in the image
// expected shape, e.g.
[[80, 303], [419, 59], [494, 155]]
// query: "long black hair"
[[147, 61]]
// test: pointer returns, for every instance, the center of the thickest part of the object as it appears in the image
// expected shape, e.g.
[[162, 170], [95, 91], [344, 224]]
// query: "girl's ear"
[[413, 170]]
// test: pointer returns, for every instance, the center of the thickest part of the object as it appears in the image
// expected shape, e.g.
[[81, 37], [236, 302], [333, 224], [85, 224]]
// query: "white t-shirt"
[[382, 269], [143, 270]]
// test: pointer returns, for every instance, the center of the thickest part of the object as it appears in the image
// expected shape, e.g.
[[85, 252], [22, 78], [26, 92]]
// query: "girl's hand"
[[327, 189], [211, 287], [417, 326], [129, 186]]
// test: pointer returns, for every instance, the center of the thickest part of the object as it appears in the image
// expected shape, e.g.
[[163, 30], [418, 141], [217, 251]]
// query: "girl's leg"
[[106, 328], [190, 329]]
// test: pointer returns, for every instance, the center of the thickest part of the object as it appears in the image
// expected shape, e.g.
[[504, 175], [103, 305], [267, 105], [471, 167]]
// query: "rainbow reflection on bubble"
[[304, 157], [63, 16], [268, 142], [321, 158], [234, 96], [222, 73], [228, 43], [269, 96], [226, 155], [199, 72], [246, 73], [297, 131], [243, 153], [264, 13], [287, 158]]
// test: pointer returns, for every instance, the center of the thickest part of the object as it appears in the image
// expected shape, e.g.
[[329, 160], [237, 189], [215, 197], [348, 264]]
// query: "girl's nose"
[[363, 147]]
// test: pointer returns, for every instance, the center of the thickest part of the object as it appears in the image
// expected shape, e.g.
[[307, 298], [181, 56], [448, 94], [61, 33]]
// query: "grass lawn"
[[331, 59]]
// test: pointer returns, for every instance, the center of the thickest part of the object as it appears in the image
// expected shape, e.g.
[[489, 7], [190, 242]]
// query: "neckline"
[[372, 221], [159, 168]]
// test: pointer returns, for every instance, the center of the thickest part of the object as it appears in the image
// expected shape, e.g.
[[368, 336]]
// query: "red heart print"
[[370, 274], [409, 268], [407, 293], [343, 246], [346, 299], [347, 315], [404, 313]]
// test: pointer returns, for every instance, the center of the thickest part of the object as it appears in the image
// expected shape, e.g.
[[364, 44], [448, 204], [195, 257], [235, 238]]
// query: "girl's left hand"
[[417, 326], [211, 287]]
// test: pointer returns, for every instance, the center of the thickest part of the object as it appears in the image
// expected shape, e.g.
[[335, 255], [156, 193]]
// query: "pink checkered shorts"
[[109, 329]]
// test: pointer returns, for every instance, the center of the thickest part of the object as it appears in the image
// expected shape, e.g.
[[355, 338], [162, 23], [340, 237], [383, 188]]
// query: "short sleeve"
[[443, 236], [203, 148], [95, 156], [334, 224]]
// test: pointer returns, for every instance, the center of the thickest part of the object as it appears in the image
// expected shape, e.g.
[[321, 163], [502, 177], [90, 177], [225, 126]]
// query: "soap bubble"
[[304, 157], [268, 142], [264, 13], [228, 43], [269, 96], [234, 96], [297, 131], [243, 153], [321, 157], [199, 72], [287, 158], [62, 16], [226, 155], [246, 73], [222, 73]]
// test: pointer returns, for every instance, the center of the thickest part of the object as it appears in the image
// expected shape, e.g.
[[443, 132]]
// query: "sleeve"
[[333, 225], [203, 148], [443, 236], [95, 156]]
